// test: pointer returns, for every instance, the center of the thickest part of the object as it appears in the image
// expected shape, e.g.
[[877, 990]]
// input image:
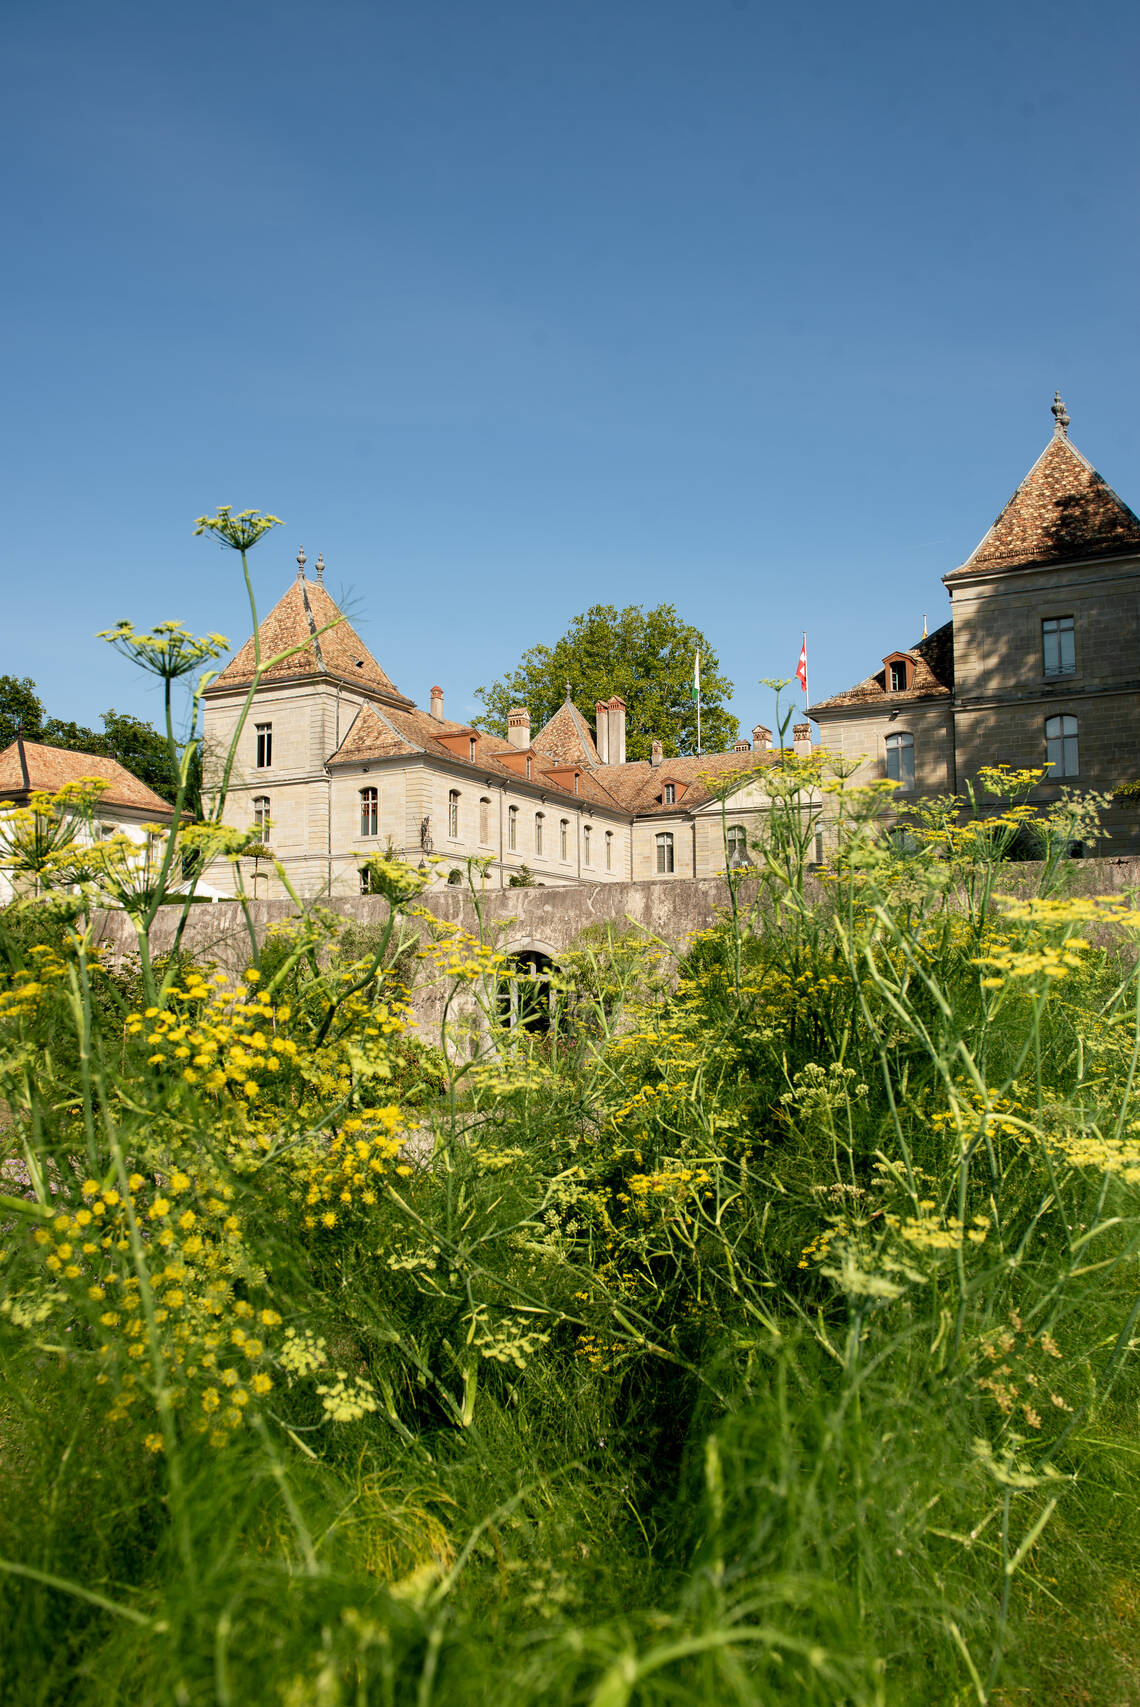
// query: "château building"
[[335, 764], [1038, 666]]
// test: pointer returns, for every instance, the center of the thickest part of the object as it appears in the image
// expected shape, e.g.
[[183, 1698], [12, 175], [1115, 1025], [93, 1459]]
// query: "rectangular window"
[[609, 850], [664, 853], [264, 745], [261, 816], [670, 793], [538, 822], [898, 678], [484, 820], [1061, 747], [587, 833], [564, 839], [1058, 646], [900, 760], [453, 814], [513, 828], [369, 812]]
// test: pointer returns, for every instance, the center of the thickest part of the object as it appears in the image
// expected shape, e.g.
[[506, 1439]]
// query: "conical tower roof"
[[297, 620], [1062, 510]]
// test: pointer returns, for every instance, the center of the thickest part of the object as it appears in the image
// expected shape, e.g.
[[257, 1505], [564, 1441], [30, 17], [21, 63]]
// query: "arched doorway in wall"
[[524, 992]]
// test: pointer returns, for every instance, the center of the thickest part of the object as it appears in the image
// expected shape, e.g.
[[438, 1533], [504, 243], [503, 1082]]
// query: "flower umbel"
[[239, 533]]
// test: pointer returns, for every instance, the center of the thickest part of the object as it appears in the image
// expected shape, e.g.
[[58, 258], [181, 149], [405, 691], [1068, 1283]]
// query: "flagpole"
[[807, 697], [698, 722]]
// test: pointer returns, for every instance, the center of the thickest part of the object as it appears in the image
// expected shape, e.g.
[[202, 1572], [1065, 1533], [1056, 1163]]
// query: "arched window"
[[900, 760], [1061, 746], [484, 820], [609, 850], [539, 820], [261, 816], [737, 841], [513, 828], [369, 813], [665, 852], [587, 833], [564, 839], [453, 814]]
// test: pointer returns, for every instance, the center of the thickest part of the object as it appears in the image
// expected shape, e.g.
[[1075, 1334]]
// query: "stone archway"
[[524, 993]]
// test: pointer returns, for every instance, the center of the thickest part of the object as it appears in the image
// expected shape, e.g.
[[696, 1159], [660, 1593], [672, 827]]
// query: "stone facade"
[[1039, 666], [333, 764]]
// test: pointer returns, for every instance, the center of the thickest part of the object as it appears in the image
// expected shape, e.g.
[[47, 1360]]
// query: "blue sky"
[[512, 308]]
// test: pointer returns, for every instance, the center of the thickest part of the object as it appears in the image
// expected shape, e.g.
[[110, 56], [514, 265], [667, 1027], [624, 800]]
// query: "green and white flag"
[[695, 690]]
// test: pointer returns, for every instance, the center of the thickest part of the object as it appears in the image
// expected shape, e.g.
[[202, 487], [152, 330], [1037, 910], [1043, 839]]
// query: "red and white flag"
[[801, 667]]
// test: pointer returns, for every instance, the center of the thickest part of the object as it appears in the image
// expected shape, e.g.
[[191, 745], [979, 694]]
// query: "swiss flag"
[[801, 667]]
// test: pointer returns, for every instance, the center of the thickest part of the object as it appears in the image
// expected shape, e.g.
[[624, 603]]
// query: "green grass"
[[764, 1334]]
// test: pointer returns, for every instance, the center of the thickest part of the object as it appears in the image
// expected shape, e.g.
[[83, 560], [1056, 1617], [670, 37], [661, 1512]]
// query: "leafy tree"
[[21, 708], [646, 657]]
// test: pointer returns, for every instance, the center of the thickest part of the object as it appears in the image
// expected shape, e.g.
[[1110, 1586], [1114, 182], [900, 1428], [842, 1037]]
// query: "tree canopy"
[[646, 657], [136, 745]]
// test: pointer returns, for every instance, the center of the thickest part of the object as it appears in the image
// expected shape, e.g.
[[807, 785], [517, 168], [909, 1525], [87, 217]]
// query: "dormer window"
[[471, 748], [669, 795], [898, 671]]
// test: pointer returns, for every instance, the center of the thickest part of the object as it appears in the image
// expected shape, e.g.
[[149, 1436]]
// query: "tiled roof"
[[295, 620], [933, 676], [52, 768], [385, 732], [637, 786], [567, 738], [382, 733], [1061, 510]]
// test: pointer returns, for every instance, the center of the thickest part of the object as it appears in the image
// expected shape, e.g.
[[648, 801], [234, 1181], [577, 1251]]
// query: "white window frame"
[[900, 759], [1062, 746], [453, 814], [263, 734], [369, 812], [1058, 647], [261, 816]]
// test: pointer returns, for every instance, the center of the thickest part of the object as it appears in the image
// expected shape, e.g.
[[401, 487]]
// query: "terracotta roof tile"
[[1061, 510], [637, 786], [567, 738], [295, 620], [52, 768], [933, 676]]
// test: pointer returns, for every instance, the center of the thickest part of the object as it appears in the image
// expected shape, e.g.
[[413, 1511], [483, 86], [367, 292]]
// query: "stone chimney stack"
[[518, 726], [602, 729], [801, 740], [761, 739], [437, 702], [656, 754], [617, 730]]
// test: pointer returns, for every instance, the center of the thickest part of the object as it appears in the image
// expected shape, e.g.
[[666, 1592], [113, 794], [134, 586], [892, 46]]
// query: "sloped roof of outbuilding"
[[39, 768]]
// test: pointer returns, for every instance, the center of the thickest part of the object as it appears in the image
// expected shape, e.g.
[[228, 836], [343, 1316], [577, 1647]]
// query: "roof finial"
[[320, 565], [924, 625], [301, 560], [568, 693], [1060, 416]]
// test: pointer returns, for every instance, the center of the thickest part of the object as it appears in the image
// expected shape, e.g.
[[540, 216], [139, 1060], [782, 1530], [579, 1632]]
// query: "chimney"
[[656, 754], [761, 739], [742, 747], [801, 740], [617, 730], [602, 729], [437, 702], [518, 726]]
